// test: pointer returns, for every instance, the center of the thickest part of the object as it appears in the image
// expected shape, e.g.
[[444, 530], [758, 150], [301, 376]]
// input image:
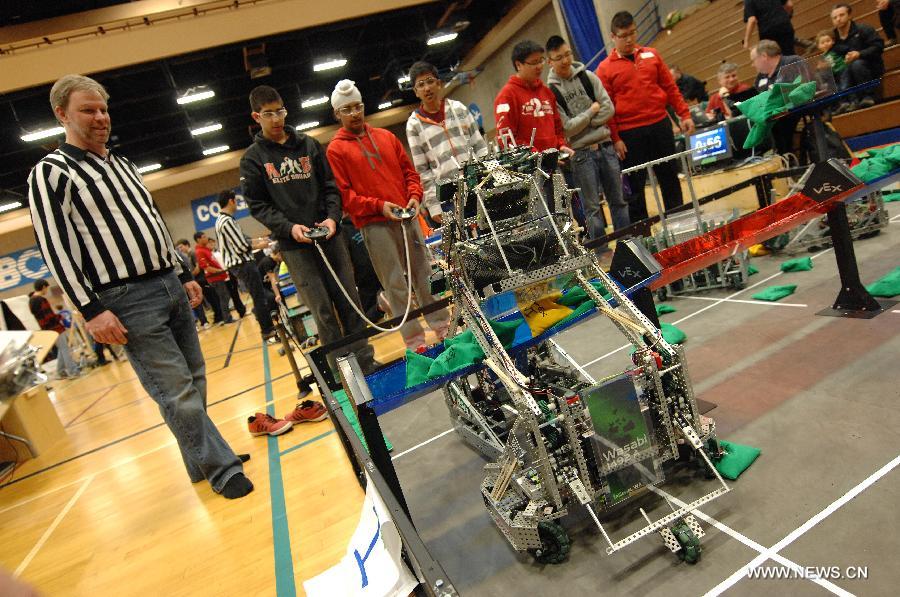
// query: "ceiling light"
[[43, 134], [149, 168], [10, 206], [384, 105], [307, 125], [314, 101], [403, 80], [330, 64], [206, 129], [192, 96], [440, 38], [215, 150]]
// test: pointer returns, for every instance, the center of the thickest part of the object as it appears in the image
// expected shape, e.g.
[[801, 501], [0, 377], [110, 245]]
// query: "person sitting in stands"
[[719, 105], [861, 48]]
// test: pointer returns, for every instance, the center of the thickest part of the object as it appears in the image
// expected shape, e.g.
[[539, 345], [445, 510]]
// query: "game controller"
[[316, 233], [404, 214]]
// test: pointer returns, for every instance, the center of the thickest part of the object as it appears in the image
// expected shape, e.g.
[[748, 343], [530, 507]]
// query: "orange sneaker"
[[262, 424], [307, 411]]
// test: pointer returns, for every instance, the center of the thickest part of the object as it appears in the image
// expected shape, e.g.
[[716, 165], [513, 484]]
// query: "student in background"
[[48, 319]]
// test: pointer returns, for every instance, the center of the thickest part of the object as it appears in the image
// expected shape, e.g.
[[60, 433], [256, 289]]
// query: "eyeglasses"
[[561, 56], [626, 34], [423, 83], [270, 114], [354, 109], [536, 62]]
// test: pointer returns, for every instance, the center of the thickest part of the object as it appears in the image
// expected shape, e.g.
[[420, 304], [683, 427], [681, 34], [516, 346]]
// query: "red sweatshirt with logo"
[[525, 107], [370, 169], [640, 89]]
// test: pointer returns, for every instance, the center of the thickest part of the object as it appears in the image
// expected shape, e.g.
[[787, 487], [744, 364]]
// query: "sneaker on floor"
[[866, 102], [264, 424], [206, 326], [307, 411]]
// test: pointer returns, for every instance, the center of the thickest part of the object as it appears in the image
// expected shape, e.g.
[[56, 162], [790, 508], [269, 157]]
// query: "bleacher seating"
[[711, 35]]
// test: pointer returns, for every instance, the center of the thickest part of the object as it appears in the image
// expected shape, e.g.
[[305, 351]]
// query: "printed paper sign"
[[373, 565]]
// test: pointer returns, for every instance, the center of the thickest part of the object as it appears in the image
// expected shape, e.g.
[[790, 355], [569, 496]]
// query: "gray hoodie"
[[581, 127]]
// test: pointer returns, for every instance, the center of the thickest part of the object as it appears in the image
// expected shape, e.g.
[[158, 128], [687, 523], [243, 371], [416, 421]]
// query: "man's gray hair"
[[64, 86], [727, 67], [767, 47]]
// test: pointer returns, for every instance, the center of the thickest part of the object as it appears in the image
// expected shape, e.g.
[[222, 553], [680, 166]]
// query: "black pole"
[[371, 430], [853, 296]]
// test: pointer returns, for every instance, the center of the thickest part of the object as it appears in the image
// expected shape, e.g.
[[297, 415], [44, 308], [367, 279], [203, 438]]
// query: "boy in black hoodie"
[[289, 188]]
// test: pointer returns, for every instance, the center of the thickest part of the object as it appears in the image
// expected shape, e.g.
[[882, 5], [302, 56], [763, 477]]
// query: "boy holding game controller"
[[290, 189], [378, 183]]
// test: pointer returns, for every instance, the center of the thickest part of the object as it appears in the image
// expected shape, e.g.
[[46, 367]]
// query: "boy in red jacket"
[[641, 86], [525, 105], [376, 177]]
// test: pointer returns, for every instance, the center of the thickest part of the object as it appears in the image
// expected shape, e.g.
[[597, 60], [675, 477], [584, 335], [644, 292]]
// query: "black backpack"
[[588, 88]]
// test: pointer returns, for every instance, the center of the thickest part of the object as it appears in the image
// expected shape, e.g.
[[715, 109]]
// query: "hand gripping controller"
[[316, 233], [404, 214]]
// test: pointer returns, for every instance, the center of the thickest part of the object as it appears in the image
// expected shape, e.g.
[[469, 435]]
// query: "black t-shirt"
[[770, 15]]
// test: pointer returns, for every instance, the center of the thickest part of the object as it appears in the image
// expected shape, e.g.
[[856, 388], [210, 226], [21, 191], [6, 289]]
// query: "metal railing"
[[648, 21]]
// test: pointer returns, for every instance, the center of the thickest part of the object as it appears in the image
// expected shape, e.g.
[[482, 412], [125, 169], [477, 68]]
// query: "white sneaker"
[[206, 326]]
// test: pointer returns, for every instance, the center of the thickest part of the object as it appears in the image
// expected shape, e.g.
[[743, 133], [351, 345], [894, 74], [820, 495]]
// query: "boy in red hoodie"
[[375, 177], [526, 105]]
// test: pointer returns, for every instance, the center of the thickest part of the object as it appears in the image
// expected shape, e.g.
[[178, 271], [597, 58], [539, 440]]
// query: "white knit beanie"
[[345, 92]]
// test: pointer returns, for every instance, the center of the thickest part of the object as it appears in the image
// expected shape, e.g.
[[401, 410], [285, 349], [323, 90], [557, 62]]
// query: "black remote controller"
[[316, 233], [404, 214]]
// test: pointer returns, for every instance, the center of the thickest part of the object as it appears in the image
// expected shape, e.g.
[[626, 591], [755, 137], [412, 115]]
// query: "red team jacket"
[[521, 108], [640, 90], [367, 180]]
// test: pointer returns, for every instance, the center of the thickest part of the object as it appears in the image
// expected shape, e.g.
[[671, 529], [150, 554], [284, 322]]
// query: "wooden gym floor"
[[110, 508]]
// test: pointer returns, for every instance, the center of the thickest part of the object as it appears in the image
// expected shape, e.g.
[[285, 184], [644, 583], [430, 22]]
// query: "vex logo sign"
[[21, 268], [829, 180], [206, 210], [827, 187]]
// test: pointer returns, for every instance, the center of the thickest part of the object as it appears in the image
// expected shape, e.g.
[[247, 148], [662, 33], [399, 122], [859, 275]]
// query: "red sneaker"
[[261, 424], [307, 412]]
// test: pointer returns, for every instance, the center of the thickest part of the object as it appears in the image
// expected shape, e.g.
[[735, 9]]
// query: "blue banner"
[[206, 210], [581, 18], [22, 268]]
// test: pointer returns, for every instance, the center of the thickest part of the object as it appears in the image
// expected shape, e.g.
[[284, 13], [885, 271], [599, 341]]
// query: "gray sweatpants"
[[384, 241], [333, 315]]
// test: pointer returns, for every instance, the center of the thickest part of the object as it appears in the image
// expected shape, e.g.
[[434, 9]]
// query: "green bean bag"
[[775, 293], [801, 264], [736, 460], [886, 286], [672, 334]]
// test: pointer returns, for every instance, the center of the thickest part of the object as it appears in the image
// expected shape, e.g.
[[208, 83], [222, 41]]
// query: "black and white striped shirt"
[[96, 224], [234, 246]]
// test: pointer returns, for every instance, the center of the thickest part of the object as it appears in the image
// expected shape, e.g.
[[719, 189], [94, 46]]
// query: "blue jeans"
[[65, 364], [596, 168], [164, 351]]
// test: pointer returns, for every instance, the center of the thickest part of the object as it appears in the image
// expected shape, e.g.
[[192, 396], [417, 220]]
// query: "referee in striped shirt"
[[237, 258], [105, 242]]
